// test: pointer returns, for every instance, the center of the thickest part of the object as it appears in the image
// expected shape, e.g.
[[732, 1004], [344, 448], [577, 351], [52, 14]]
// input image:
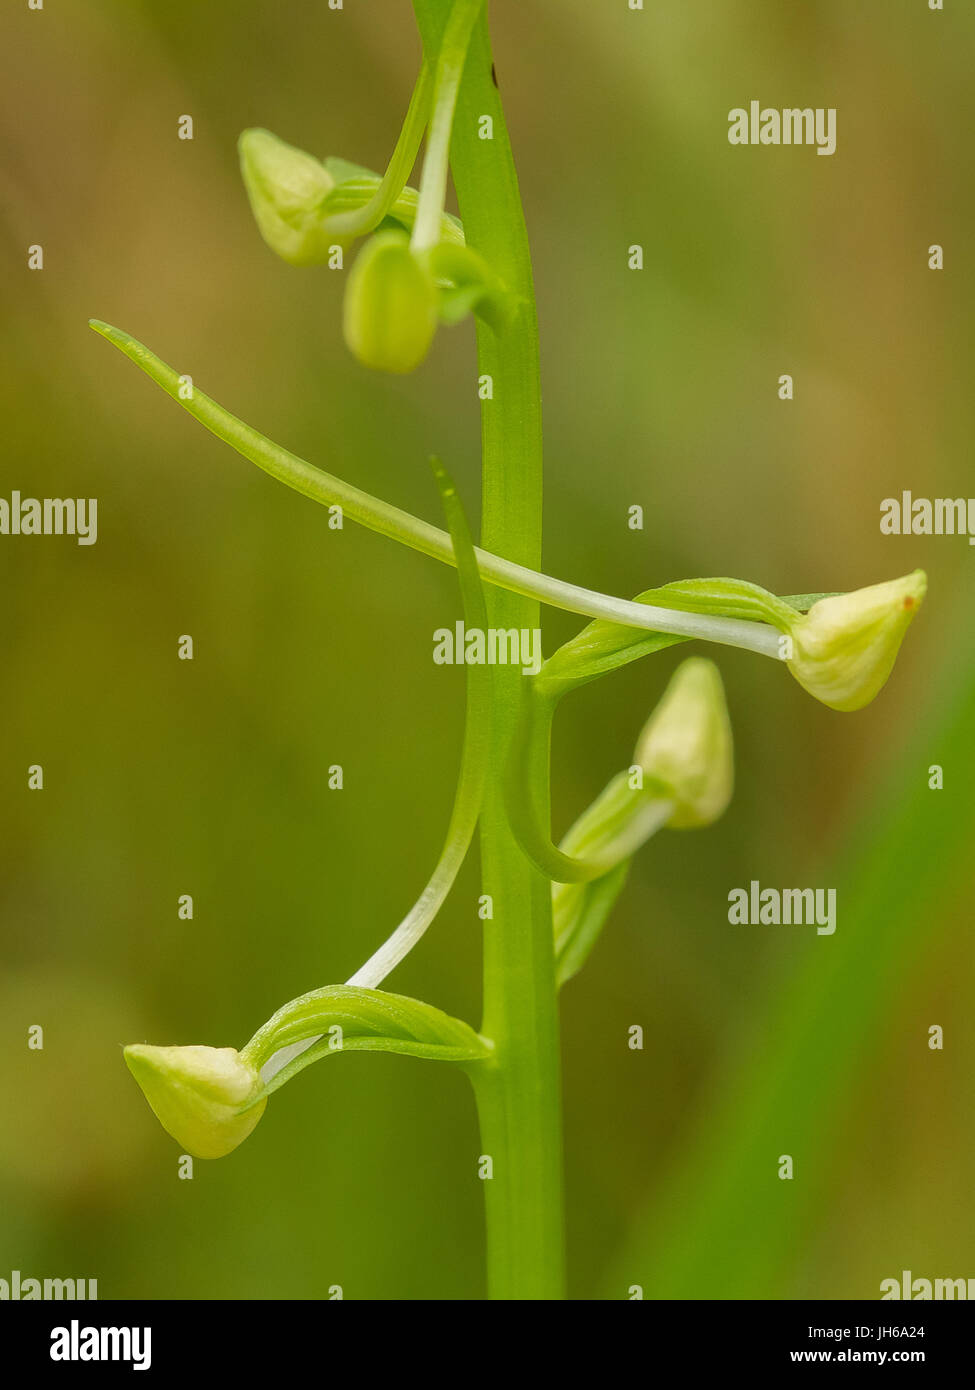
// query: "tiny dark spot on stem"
[[494, 74]]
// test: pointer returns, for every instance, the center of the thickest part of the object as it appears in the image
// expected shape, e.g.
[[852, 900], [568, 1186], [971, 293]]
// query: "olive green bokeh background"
[[313, 648]]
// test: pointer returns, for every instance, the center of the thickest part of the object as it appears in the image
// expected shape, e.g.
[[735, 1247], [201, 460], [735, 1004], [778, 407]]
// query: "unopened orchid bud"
[[844, 648], [391, 305], [686, 745], [199, 1095], [287, 189]]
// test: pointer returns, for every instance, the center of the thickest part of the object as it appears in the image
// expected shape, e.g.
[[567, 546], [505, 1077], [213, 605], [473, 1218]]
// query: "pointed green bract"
[[604, 646], [348, 1018], [580, 910], [579, 913], [726, 598]]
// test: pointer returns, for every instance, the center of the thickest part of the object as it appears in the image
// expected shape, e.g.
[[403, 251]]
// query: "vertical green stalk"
[[518, 1093]]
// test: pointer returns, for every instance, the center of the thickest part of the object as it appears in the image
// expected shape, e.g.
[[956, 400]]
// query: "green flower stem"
[[451, 58], [401, 526], [365, 219], [519, 1090]]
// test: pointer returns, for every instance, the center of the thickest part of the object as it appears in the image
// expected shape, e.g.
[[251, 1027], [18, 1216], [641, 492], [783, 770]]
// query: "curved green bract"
[[579, 913], [604, 646], [369, 1020], [727, 598], [599, 648]]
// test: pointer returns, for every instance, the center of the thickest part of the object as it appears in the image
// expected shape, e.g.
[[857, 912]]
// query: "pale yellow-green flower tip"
[[390, 311], [844, 648], [287, 189], [197, 1093], [686, 744]]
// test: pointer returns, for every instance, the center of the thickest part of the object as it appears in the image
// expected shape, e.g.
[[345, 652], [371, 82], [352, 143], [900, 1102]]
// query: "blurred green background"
[[313, 647]]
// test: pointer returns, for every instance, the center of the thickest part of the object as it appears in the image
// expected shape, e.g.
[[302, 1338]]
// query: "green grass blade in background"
[[723, 1224]]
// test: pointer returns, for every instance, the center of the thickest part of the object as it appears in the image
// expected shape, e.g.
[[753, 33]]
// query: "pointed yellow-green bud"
[[287, 189], [686, 745], [844, 648], [197, 1094], [391, 303]]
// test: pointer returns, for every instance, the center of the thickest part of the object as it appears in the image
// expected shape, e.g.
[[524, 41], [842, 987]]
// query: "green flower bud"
[[390, 305], [844, 648], [686, 745], [287, 189], [198, 1095]]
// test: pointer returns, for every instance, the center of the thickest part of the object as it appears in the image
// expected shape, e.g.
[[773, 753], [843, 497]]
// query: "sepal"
[[845, 647], [287, 189], [208, 1098], [390, 312]]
